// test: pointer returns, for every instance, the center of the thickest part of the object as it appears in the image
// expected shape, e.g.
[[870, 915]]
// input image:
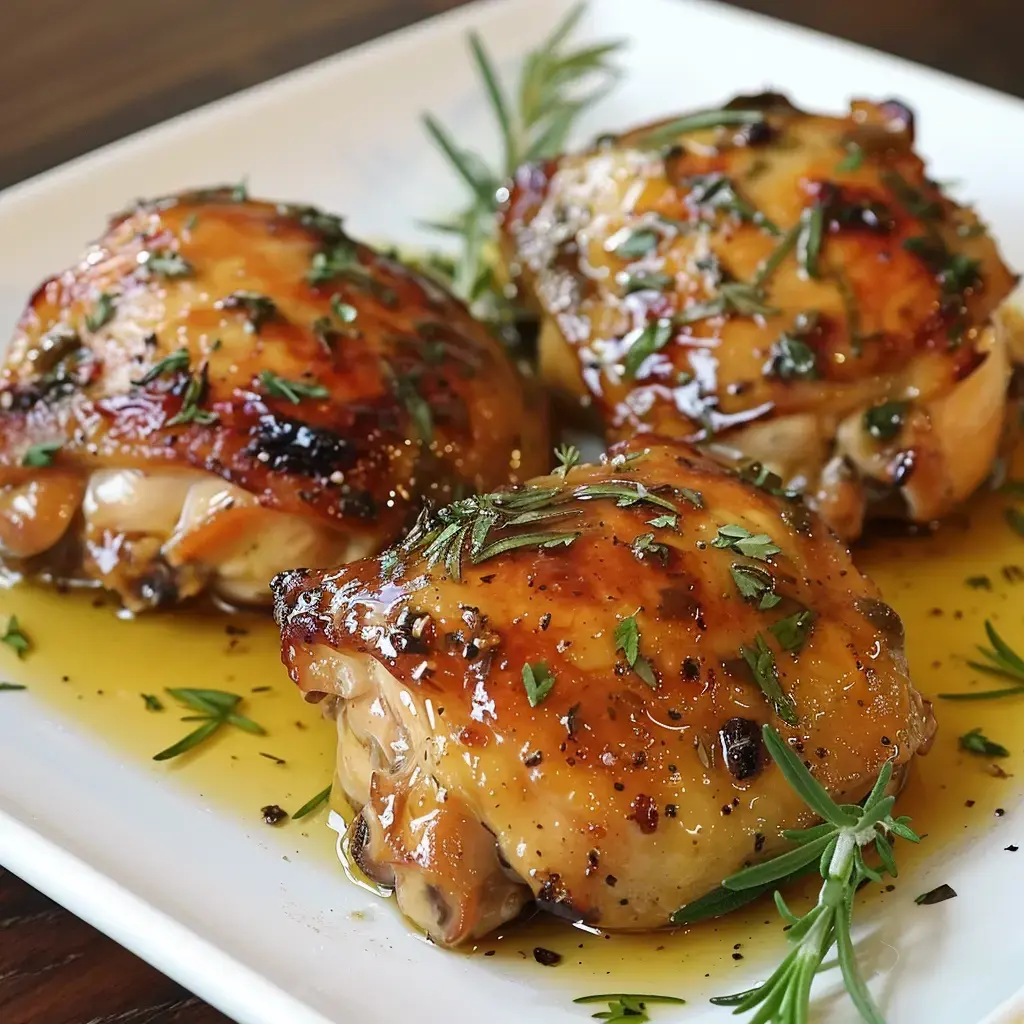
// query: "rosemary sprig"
[[556, 85], [312, 804], [1001, 660], [837, 846], [216, 708]]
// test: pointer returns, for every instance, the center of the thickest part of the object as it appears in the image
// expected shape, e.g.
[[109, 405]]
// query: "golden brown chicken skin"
[[556, 693], [222, 388], [782, 286]]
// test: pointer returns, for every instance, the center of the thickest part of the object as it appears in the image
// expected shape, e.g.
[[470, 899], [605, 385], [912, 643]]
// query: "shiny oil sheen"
[[99, 681]]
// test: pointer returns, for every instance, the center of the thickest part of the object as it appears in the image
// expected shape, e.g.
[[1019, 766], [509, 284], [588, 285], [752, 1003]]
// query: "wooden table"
[[74, 75]]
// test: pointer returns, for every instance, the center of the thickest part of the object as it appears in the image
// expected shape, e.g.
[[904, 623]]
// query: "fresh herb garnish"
[[39, 456], [173, 363], [884, 422], [165, 263], [312, 804], [646, 280], [568, 455], [853, 159], [645, 544], [152, 702], [809, 238], [978, 743], [667, 133], [715, 192], [538, 681], [939, 894], [556, 86], [418, 408], [667, 522], [1001, 660], [912, 199], [722, 901], [15, 637], [979, 582], [627, 640], [11, 686], [337, 261], [733, 297], [792, 359], [837, 846], [755, 584], [216, 708], [738, 538], [293, 391], [761, 477], [637, 244], [653, 337], [102, 312], [625, 1008], [195, 394], [761, 661], [259, 309], [792, 631]]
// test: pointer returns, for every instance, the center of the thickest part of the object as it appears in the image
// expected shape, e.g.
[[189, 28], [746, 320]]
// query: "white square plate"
[[191, 888]]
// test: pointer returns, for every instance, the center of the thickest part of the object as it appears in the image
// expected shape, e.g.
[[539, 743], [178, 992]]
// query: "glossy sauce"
[[100, 679]]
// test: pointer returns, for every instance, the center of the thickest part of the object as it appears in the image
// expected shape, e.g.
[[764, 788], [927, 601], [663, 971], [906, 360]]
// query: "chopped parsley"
[[792, 631], [627, 640], [538, 681], [645, 545], [666, 521], [15, 637], [737, 538], [755, 584], [761, 662]]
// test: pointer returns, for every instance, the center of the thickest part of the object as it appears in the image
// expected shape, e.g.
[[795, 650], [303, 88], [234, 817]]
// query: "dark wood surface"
[[74, 75]]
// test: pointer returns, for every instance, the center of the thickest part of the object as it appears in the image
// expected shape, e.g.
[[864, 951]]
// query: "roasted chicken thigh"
[[556, 693], [223, 388], [780, 286]]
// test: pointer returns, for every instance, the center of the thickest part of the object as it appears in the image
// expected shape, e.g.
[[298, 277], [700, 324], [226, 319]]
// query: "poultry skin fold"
[[777, 286], [222, 388], [556, 693]]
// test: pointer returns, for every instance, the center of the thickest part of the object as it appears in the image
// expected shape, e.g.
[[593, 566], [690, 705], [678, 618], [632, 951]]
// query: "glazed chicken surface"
[[223, 388], [779, 286], [556, 693]]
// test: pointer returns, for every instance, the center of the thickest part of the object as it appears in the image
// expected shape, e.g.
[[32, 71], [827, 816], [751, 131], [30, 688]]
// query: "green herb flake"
[[344, 311], [977, 743], [979, 582], [627, 639], [645, 545], [152, 702], [11, 686], [738, 538], [761, 662], [538, 681], [755, 584], [102, 312], [792, 631], [293, 391], [195, 393], [216, 708], [664, 522], [39, 456], [15, 637], [637, 244], [165, 263], [173, 363], [853, 160], [313, 804], [884, 422], [652, 338], [258, 309], [667, 133], [792, 359], [646, 280], [627, 1008]]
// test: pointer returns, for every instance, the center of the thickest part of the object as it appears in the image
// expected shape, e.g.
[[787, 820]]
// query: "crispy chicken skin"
[[787, 287], [507, 734], [222, 388]]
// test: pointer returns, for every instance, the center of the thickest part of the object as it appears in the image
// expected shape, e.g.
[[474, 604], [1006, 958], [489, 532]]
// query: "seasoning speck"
[[937, 895], [272, 814], [546, 957]]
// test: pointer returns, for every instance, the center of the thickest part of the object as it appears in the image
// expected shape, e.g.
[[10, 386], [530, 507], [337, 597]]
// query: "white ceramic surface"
[[202, 895]]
